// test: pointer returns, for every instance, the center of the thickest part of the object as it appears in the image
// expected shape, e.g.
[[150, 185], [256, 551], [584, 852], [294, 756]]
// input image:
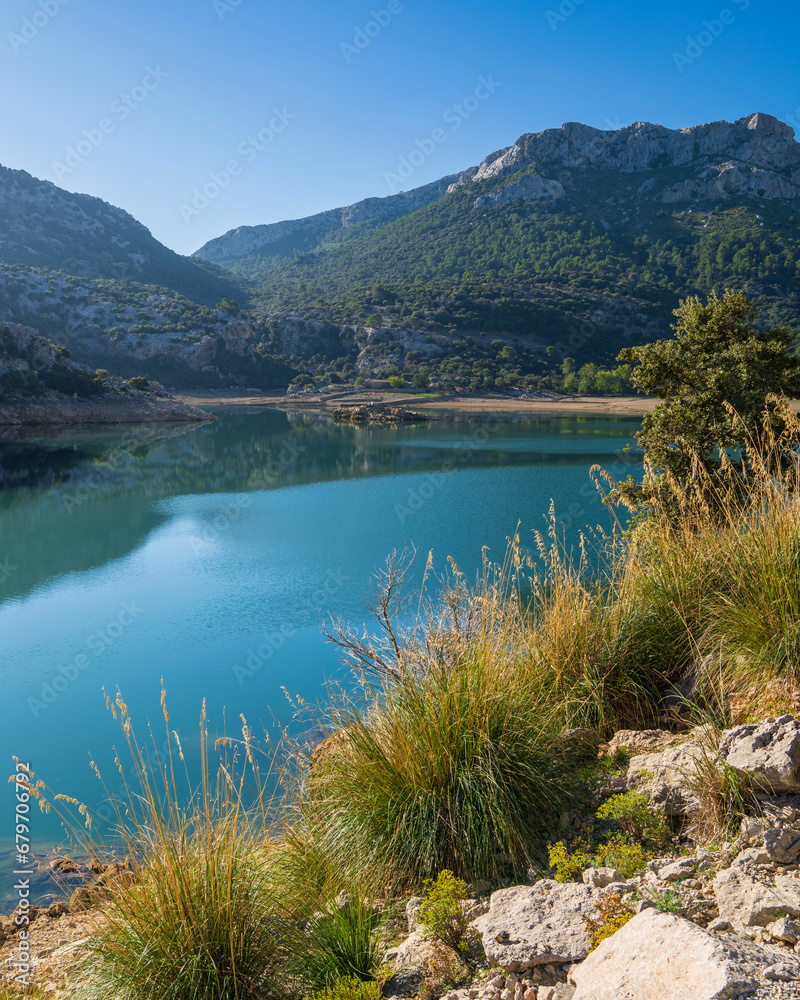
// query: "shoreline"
[[613, 405], [107, 411]]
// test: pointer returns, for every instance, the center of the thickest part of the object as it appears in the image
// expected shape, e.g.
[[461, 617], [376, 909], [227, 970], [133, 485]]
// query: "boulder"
[[782, 846], [768, 752], [412, 909], [411, 963], [601, 877], [746, 902], [658, 956], [678, 870], [666, 776], [782, 972], [786, 930], [538, 924]]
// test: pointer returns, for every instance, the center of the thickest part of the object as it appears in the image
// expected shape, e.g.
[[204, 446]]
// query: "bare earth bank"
[[630, 405], [55, 409]]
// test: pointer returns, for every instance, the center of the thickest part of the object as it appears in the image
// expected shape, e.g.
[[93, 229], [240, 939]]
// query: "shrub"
[[349, 988], [442, 911], [636, 817], [73, 381], [569, 866], [618, 852], [613, 913], [139, 382]]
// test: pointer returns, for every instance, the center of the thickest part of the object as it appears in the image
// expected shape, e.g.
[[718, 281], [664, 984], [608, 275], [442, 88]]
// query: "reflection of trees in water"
[[91, 497], [34, 465]]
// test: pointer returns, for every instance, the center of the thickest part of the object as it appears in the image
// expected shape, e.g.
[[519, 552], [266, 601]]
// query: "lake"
[[209, 554]]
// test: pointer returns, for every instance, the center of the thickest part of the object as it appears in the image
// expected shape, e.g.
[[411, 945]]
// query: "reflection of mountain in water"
[[97, 493]]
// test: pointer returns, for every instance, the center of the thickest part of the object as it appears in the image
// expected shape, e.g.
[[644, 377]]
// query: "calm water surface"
[[207, 555]]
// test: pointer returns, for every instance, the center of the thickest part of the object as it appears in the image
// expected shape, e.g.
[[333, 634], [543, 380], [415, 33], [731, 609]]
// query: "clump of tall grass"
[[726, 571], [197, 911], [340, 941], [455, 769]]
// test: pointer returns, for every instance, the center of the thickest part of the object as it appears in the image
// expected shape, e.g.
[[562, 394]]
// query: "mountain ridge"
[[755, 141], [555, 251]]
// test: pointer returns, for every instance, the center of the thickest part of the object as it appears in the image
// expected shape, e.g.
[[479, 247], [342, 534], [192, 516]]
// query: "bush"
[[618, 852], [70, 382], [442, 911], [569, 865], [613, 914], [349, 988], [139, 383], [636, 817]]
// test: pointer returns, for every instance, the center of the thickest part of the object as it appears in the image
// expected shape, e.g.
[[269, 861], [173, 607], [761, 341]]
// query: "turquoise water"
[[208, 555]]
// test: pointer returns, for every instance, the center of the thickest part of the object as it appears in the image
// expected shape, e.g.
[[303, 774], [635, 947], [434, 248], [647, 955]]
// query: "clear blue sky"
[[354, 111]]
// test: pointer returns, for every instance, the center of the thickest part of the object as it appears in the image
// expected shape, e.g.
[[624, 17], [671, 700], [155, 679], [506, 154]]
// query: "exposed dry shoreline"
[[61, 410], [622, 405]]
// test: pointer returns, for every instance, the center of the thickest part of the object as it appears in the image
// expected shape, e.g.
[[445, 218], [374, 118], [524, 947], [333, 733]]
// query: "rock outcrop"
[[658, 956], [283, 238], [377, 413], [747, 901], [667, 776], [768, 753], [539, 924], [40, 384]]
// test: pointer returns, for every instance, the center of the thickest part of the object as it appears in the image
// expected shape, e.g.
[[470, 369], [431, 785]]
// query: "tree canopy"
[[718, 357]]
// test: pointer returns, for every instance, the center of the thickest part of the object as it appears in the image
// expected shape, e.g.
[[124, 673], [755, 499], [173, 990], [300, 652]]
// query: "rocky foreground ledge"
[[709, 924], [718, 922], [111, 409]]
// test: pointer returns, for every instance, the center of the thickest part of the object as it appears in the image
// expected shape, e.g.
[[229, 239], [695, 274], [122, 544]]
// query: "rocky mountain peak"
[[756, 156]]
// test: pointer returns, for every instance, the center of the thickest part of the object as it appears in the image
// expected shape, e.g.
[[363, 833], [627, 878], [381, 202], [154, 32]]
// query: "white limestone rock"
[[538, 924], [658, 956]]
